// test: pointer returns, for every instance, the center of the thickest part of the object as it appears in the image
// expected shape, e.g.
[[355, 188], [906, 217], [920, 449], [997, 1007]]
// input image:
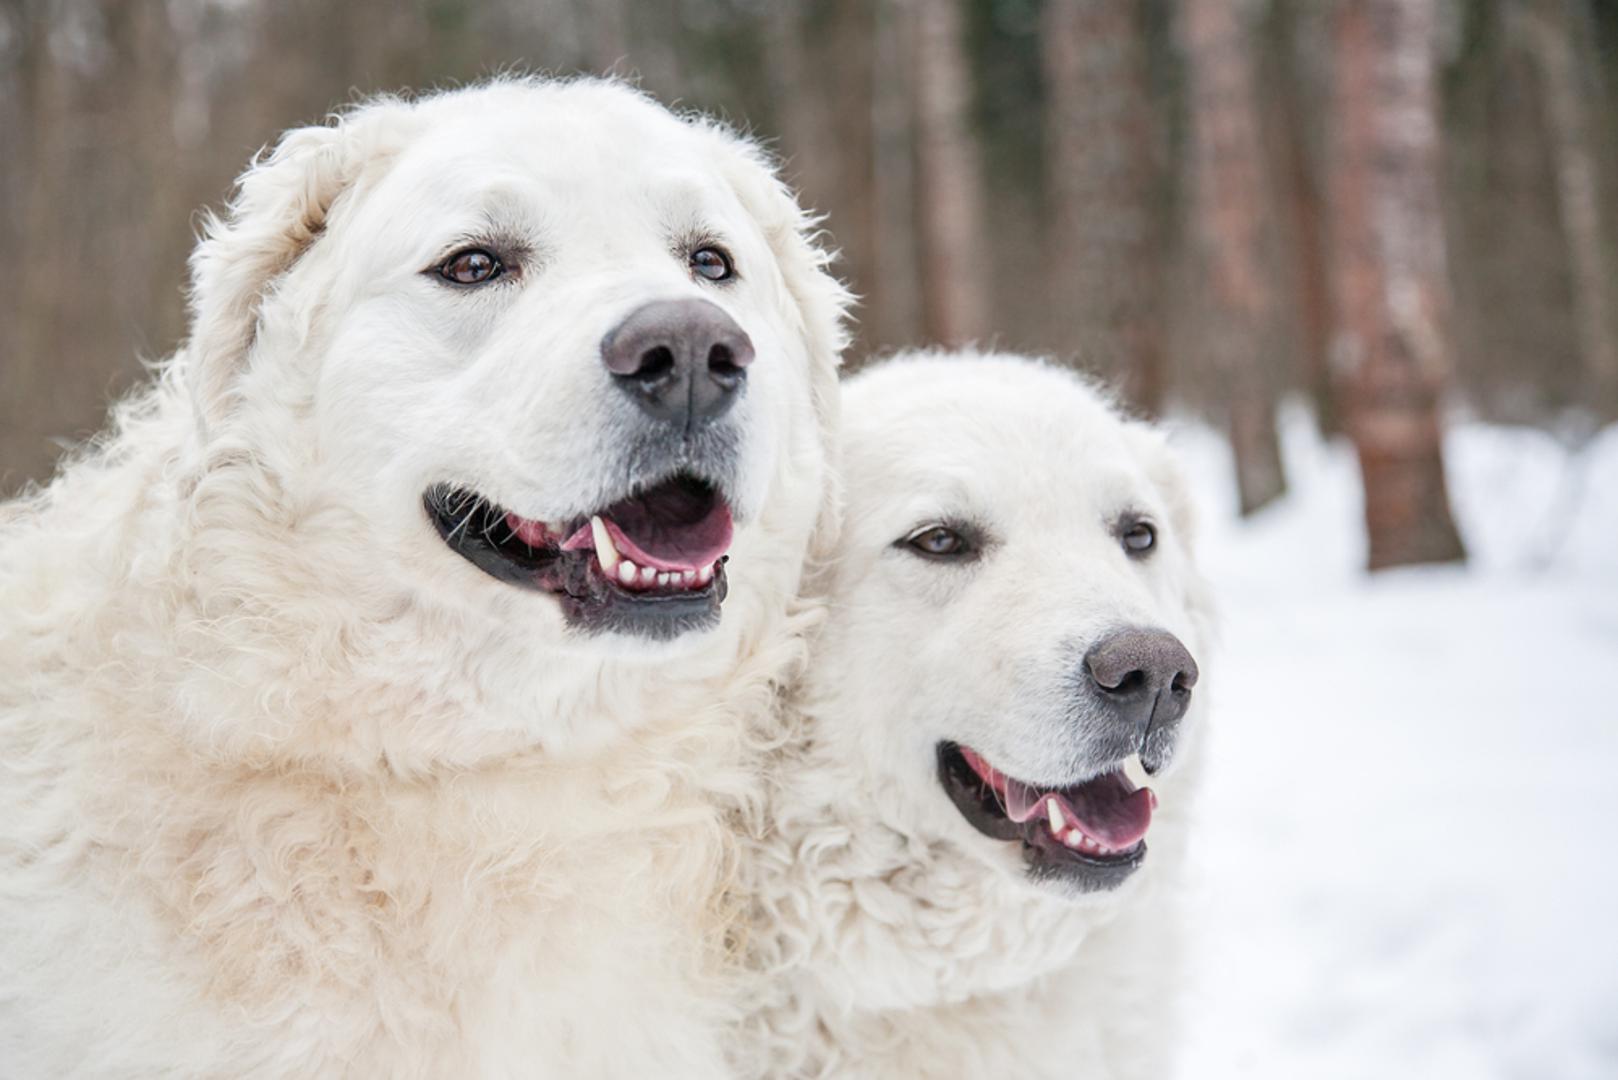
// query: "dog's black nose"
[[1143, 678], [682, 361]]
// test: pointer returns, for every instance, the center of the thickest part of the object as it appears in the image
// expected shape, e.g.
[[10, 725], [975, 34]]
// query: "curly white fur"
[[889, 938], [289, 789]]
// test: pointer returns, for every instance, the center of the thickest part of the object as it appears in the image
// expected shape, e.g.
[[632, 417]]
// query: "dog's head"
[[538, 353], [1015, 617]]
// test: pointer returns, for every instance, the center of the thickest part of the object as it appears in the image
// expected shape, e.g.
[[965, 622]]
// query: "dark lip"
[[1048, 859], [474, 527]]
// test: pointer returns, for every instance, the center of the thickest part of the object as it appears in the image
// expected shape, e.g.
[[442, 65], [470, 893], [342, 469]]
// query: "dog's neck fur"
[[299, 883], [881, 954]]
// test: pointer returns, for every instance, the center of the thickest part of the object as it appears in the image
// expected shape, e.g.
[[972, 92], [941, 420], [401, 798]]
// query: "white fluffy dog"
[[366, 696], [954, 880]]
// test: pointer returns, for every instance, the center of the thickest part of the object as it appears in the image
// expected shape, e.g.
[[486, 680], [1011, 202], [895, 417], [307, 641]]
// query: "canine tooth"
[[606, 553], [648, 575], [627, 572], [1055, 813]]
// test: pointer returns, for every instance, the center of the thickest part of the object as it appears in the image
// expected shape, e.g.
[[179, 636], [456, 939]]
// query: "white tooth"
[[648, 576], [1056, 815], [663, 580], [606, 553], [1073, 839], [688, 578], [705, 575], [627, 571]]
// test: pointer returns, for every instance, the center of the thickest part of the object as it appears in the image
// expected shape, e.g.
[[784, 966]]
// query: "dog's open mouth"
[[650, 564], [1090, 835]]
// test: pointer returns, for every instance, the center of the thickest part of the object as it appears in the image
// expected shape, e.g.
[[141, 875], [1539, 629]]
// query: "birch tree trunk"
[[1390, 341], [1228, 205], [1105, 187]]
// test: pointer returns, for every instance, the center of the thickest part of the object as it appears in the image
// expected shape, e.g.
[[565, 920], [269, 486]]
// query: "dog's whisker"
[[465, 521]]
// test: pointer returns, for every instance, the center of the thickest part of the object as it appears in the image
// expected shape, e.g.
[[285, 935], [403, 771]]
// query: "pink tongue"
[[686, 547], [1109, 808]]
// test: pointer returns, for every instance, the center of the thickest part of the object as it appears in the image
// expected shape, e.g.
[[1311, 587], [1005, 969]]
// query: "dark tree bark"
[[1228, 205], [1293, 163], [891, 314], [822, 77], [1106, 190], [1390, 342], [954, 300], [1553, 32]]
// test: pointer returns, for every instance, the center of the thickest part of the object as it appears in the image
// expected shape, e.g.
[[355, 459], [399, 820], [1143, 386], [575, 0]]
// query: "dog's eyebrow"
[[694, 235], [497, 210], [501, 224]]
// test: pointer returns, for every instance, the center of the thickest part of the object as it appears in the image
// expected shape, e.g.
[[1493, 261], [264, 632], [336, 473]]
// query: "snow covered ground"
[[1408, 866]]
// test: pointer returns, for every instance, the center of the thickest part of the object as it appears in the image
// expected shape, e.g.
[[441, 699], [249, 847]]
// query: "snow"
[[1406, 864]]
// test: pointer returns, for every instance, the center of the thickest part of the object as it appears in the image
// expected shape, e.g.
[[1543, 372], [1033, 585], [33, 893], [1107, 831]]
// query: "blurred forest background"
[[1389, 208]]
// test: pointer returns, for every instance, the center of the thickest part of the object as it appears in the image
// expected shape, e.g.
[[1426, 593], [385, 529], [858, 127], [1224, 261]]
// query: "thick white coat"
[[287, 788], [890, 938]]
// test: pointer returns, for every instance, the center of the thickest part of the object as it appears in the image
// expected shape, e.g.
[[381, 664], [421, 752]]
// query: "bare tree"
[[1390, 344], [949, 183], [1236, 302], [1554, 31], [1105, 186]]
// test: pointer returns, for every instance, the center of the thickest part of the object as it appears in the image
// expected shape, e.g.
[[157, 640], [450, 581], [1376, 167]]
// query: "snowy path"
[[1409, 860]]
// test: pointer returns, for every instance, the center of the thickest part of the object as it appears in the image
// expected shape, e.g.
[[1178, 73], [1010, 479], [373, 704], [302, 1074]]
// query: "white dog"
[[365, 697], [954, 881]]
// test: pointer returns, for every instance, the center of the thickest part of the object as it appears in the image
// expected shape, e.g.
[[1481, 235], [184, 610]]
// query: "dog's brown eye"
[[712, 263], [938, 542], [471, 267], [1139, 538]]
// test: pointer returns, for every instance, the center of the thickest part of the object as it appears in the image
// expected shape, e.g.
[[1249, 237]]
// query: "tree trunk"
[[1228, 205], [949, 182], [1298, 186], [1105, 187], [822, 72], [892, 314], [1551, 36], [1390, 345]]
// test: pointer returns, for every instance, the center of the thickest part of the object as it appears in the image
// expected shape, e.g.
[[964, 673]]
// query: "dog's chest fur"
[[881, 956], [168, 910], [296, 924]]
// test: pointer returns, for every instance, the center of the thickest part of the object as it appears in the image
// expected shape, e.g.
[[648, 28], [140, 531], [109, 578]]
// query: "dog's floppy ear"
[[280, 206], [818, 298]]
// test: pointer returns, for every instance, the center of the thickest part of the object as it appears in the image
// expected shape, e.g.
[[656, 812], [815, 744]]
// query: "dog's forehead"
[[1012, 443], [499, 161], [558, 149]]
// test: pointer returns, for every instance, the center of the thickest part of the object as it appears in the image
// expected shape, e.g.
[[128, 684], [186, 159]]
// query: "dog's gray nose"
[[682, 361], [1144, 678]]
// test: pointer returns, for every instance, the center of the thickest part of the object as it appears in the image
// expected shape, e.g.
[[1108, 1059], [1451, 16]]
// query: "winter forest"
[[1387, 208], [1360, 255]]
